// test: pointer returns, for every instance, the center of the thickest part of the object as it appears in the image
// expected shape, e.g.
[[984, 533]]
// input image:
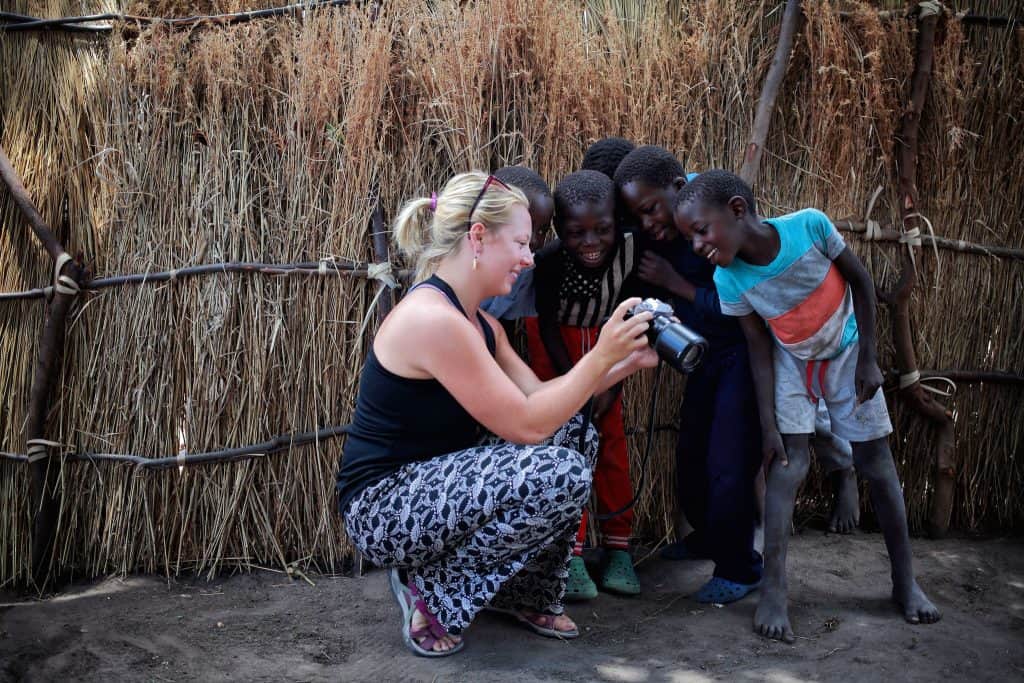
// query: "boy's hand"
[[867, 378], [656, 270], [771, 448]]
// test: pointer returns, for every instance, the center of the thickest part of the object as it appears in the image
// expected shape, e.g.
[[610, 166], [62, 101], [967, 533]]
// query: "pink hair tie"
[[433, 201]]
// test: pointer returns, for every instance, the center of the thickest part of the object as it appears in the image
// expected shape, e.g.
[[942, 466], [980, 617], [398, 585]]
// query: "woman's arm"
[[523, 376], [447, 347]]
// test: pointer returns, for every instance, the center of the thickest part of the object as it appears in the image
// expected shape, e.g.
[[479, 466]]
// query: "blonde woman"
[[467, 521]]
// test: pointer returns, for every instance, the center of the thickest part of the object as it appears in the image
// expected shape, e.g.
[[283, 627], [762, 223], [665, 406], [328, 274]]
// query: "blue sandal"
[[722, 591]]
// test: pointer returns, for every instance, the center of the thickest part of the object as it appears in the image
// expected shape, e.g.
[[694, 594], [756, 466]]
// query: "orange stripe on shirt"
[[805, 319]]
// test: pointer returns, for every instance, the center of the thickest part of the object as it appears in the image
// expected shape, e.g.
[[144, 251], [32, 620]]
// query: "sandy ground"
[[264, 627]]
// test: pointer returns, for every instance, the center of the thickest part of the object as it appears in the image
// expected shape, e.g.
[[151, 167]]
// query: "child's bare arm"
[[551, 336], [868, 375], [762, 366], [656, 270]]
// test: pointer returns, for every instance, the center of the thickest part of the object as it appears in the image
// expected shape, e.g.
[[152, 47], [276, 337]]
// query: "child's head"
[[537, 193], [648, 179], [605, 155], [585, 217], [712, 211], [431, 229]]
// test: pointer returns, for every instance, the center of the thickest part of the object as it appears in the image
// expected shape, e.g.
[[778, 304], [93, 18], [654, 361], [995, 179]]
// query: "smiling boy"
[[807, 308], [579, 282]]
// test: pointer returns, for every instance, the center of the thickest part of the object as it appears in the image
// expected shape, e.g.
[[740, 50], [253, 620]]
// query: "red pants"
[[612, 486]]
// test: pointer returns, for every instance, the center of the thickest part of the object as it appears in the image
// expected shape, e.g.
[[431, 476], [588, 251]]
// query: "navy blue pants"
[[717, 458]]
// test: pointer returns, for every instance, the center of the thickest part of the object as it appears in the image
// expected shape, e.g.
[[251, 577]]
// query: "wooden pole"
[[772, 83], [898, 299], [44, 498], [385, 297]]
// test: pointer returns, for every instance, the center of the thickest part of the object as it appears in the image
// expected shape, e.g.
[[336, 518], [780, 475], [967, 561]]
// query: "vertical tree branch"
[[911, 390], [386, 300], [44, 502], [24, 202], [772, 83]]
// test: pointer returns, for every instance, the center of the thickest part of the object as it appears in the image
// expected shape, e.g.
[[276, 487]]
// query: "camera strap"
[[588, 410]]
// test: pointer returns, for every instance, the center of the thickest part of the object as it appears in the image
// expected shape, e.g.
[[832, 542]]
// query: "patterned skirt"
[[490, 525]]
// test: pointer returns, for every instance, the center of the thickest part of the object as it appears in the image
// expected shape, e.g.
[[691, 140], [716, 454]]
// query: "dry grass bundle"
[[268, 141]]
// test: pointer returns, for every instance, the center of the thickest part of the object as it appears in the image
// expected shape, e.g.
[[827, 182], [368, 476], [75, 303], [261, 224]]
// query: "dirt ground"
[[262, 626]]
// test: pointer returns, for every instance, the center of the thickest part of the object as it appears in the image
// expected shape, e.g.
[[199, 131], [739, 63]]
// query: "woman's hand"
[[620, 337]]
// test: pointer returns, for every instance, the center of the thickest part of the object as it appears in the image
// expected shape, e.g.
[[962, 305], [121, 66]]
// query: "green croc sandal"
[[619, 575], [579, 585]]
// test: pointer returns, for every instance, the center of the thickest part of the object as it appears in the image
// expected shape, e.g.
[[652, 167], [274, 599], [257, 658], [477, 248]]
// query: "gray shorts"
[[799, 384]]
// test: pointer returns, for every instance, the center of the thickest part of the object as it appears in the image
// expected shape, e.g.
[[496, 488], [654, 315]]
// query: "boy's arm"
[[762, 366], [868, 376], [657, 270], [547, 316]]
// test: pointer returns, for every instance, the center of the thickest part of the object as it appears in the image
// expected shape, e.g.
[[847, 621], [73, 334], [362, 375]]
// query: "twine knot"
[[382, 272]]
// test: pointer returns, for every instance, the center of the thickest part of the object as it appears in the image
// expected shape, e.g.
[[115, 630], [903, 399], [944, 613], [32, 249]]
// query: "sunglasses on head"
[[476, 202]]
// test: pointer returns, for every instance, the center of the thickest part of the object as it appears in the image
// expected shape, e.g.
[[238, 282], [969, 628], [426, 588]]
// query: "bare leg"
[[873, 461], [836, 458], [772, 617]]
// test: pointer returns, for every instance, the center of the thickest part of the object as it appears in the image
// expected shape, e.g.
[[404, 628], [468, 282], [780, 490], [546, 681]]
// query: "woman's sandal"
[[545, 626], [420, 640]]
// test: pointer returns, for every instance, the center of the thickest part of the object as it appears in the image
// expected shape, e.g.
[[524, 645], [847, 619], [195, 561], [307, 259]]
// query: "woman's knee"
[[556, 471]]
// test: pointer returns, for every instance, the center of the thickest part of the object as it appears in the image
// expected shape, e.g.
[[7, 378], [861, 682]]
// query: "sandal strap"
[[424, 638], [545, 621], [433, 625]]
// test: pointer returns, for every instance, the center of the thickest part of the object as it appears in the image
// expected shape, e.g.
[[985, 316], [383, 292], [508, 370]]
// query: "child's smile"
[[653, 206], [588, 232]]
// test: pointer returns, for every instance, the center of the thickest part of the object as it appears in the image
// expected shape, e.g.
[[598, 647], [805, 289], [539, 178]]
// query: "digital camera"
[[675, 343]]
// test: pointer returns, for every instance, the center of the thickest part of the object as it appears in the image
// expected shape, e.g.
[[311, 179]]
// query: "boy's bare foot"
[[846, 508], [917, 608], [771, 619]]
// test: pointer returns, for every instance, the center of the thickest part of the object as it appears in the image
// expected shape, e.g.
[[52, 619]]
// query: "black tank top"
[[399, 420]]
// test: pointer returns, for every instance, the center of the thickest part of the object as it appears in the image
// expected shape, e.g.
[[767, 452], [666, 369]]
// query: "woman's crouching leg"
[[527, 510], [465, 523]]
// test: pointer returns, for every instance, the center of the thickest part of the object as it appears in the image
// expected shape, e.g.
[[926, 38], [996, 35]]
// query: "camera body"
[[675, 343]]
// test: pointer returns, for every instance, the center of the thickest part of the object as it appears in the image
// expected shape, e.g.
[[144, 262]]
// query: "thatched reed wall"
[[266, 142]]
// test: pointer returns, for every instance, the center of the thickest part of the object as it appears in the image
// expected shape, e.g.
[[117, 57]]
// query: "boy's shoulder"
[[809, 217]]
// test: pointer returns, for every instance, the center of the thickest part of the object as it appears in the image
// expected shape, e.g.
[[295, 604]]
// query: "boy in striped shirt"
[[806, 305]]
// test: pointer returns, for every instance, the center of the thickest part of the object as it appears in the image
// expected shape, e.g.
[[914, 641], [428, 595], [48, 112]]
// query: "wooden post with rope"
[[898, 299], [44, 501], [772, 83]]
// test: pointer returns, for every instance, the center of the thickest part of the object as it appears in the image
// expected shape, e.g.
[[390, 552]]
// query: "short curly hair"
[[526, 179], [650, 164], [605, 155], [579, 188], [716, 187]]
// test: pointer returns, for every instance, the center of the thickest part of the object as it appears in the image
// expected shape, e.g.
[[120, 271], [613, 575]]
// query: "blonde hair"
[[429, 236]]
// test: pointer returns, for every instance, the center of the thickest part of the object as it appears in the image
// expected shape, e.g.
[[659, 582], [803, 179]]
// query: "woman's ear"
[[476, 233]]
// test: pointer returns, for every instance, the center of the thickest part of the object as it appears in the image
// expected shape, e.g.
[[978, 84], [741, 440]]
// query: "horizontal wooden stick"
[[892, 235], [21, 22], [226, 455], [343, 268]]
